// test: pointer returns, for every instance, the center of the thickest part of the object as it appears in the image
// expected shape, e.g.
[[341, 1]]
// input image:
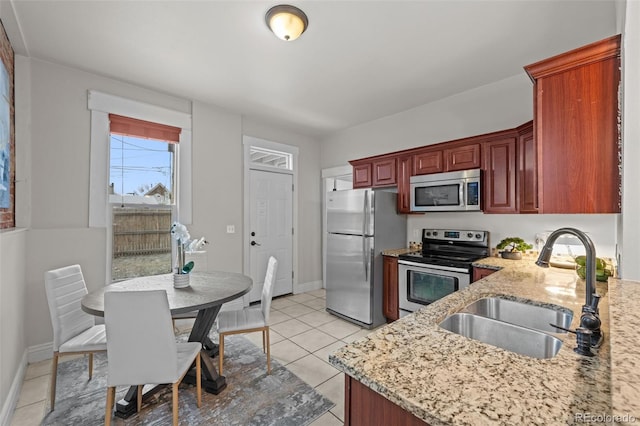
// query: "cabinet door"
[[390, 288], [404, 190], [527, 172], [384, 172], [576, 125], [362, 175], [427, 162], [500, 176], [366, 407], [462, 158], [480, 273]]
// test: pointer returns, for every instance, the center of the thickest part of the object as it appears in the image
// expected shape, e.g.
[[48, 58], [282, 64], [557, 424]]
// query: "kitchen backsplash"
[[601, 228]]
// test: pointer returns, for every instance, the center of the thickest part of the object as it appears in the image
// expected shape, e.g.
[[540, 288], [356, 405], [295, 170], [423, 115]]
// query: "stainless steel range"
[[441, 268]]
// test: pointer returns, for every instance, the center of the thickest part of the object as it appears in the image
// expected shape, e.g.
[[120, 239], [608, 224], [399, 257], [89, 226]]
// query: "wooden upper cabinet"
[[362, 175], [374, 172], [576, 129], [427, 162], [500, 170], [384, 172], [527, 169], [462, 157], [404, 189]]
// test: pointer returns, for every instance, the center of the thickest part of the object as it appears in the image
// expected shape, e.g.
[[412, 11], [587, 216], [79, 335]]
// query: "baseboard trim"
[[14, 392], [40, 352], [308, 286]]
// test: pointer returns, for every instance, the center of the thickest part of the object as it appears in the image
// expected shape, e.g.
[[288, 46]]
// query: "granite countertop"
[[397, 252], [447, 379]]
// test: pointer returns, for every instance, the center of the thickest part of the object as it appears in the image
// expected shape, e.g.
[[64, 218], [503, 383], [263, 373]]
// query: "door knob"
[[253, 243]]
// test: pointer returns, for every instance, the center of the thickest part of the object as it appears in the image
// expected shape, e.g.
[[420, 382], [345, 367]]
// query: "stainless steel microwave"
[[445, 192]]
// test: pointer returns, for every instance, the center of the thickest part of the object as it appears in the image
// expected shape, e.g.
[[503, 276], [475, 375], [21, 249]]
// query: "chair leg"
[[263, 343], [220, 353], [174, 392], [265, 334], [90, 365], [111, 394], [139, 398], [54, 378], [199, 380]]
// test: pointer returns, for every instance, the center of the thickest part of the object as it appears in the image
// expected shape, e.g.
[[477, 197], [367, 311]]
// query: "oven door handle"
[[427, 267]]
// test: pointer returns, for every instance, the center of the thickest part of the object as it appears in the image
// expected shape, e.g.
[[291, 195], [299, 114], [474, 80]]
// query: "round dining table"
[[206, 293]]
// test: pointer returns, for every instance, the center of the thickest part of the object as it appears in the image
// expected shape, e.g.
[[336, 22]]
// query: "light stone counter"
[[444, 378]]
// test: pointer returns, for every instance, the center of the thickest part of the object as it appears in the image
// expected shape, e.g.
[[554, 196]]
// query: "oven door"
[[420, 284]]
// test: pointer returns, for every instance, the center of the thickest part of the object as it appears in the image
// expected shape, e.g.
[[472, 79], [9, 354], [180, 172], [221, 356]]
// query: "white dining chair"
[[74, 331], [251, 319], [141, 346]]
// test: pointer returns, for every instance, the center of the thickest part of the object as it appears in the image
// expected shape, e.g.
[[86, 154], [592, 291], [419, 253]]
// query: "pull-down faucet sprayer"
[[589, 319]]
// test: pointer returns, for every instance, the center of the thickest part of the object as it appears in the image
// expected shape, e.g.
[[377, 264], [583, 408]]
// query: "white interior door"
[[270, 230]]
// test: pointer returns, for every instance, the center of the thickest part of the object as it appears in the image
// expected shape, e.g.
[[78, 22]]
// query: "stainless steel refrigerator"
[[361, 223]]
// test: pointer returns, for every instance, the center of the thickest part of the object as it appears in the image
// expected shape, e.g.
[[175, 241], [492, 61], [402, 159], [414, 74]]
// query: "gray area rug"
[[251, 398]]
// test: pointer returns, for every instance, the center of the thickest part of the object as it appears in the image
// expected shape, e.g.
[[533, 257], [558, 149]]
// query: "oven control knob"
[[470, 235], [479, 236], [428, 234], [435, 233]]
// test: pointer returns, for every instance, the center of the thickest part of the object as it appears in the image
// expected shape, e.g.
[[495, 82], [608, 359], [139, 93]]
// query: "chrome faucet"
[[589, 321]]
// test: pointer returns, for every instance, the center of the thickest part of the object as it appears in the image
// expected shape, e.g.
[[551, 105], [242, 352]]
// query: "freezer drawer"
[[350, 276]]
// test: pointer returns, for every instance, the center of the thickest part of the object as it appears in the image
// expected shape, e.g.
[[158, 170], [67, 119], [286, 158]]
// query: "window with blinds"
[[142, 186]]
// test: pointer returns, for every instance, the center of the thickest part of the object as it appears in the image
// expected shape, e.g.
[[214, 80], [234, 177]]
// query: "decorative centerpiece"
[[513, 247], [185, 245]]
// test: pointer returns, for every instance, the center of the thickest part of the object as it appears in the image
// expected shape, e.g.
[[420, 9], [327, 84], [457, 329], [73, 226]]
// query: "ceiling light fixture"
[[287, 22]]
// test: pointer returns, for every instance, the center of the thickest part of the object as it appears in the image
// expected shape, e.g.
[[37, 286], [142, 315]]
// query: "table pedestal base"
[[128, 406]]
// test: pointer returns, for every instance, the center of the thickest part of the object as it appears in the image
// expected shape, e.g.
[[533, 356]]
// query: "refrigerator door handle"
[[367, 254], [365, 220]]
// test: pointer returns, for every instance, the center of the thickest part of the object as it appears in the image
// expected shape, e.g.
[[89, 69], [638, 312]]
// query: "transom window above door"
[[270, 158]]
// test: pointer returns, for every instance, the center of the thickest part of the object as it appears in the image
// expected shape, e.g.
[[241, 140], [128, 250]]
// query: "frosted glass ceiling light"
[[287, 22]]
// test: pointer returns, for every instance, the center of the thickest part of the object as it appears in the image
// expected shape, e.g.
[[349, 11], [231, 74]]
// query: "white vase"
[[180, 280]]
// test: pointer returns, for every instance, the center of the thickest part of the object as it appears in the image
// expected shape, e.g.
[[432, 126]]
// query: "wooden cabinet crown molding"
[[594, 52]]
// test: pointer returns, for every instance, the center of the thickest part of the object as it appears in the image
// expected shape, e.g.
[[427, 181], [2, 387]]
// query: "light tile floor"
[[303, 335]]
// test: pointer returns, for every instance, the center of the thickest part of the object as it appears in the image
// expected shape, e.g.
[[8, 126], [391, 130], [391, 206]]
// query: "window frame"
[[100, 210]]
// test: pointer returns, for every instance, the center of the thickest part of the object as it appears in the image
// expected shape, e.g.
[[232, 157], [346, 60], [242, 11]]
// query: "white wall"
[[13, 300], [59, 182], [502, 105]]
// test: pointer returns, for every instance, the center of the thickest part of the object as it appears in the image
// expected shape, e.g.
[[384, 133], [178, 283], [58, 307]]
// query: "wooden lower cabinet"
[[480, 273], [365, 407], [390, 307]]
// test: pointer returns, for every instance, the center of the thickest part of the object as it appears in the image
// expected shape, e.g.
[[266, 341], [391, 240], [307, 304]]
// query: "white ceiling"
[[357, 61]]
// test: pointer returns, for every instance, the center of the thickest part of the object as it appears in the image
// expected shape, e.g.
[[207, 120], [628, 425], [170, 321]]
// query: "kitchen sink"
[[522, 314], [514, 338]]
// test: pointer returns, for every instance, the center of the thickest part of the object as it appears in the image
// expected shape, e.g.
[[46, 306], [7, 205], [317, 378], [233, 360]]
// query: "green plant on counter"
[[602, 273], [514, 244]]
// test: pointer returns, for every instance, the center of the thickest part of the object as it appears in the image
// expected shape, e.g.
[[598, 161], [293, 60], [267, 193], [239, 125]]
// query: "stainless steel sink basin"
[[523, 314], [521, 340]]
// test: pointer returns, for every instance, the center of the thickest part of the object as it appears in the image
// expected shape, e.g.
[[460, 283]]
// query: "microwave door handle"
[[463, 193]]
